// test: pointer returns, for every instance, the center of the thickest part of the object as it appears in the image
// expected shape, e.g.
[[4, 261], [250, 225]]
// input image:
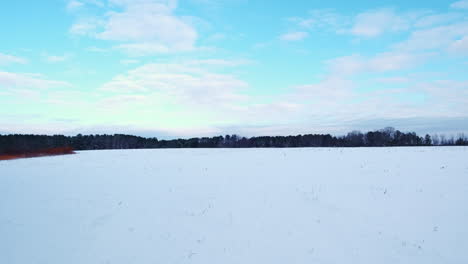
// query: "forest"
[[387, 137]]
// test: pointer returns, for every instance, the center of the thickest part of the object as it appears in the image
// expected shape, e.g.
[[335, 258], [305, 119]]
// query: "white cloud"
[[463, 4], [326, 19], [460, 46], [143, 48], [383, 62], [331, 87], [368, 24], [190, 83], [168, 3], [142, 27], [6, 59], [393, 61], [323, 19], [129, 61], [338, 100], [86, 26], [73, 5], [393, 80], [77, 5], [193, 91], [445, 97], [378, 22], [97, 50], [373, 23], [98, 3], [55, 58], [24, 80], [343, 95], [220, 62], [294, 36], [436, 19], [146, 21], [436, 38]]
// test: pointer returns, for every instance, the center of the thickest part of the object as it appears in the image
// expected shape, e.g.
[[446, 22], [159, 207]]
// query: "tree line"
[[387, 137]]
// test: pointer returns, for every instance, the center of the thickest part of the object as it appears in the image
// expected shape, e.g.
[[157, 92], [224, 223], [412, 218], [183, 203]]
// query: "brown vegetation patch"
[[38, 153]]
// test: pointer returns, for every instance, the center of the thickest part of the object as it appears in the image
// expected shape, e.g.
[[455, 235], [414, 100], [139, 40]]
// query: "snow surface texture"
[[222, 206]]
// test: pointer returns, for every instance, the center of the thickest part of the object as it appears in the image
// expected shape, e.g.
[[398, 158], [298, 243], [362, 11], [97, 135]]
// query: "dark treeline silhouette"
[[17, 144]]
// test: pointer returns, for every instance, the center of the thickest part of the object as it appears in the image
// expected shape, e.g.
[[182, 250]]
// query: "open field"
[[363, 205]]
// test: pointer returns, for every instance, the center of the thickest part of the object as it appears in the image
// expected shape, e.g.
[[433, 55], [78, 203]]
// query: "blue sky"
[[203, 67]]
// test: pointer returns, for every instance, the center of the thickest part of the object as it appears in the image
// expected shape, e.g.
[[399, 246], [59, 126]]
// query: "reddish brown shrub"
[[39, 153]]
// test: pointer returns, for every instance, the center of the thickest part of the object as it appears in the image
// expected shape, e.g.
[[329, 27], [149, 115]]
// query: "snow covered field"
[[242, 206]]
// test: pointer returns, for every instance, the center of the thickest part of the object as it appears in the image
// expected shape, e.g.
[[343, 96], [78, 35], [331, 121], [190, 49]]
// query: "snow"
[[363, 205]]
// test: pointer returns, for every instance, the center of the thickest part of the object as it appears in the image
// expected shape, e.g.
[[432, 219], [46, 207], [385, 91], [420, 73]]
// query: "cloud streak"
[[294, 36], [6, 59], [377, 22], [463, 4], [140, 27], [25, 80]]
